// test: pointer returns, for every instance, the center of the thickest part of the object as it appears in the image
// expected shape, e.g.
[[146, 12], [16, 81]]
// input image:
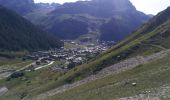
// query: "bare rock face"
[[112, 20]]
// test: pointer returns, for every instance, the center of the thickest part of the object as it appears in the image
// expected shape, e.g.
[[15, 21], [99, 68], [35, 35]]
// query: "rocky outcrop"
[[3, 90]]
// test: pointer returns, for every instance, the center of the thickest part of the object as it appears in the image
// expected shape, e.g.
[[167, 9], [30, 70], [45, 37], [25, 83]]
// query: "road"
[[44, 65], [7, 74]]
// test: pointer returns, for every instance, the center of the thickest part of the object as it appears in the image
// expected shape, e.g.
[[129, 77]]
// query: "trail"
[[44, 65], [8, 73]]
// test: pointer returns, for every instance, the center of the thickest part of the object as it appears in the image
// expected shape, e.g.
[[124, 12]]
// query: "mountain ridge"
[[125, 15], [91, 19]]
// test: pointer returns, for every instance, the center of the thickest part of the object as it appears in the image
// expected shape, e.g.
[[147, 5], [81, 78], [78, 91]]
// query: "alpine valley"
[[84, 50]]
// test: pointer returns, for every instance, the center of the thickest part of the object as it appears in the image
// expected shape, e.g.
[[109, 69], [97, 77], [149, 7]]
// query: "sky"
[[146, 6]]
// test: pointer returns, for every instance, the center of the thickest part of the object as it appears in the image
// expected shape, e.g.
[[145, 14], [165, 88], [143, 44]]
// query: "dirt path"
[[44, 65], [116, 68]]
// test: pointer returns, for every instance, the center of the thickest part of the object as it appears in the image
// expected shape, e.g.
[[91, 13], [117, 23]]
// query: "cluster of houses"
[[70, 57]]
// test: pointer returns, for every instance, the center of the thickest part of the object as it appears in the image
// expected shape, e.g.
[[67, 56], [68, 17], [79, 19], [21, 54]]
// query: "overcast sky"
[[146, 6]]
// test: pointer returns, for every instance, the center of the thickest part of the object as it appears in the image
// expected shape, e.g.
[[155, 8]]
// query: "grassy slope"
[[31, 83], [18, 34], [148, 77], [14, 64]]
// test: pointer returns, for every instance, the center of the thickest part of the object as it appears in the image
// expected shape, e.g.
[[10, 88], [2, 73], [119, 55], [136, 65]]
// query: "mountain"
[[96, 19], [24, 7], [20, 6], [111, 20], [46, 5], [99, 8], [18, 34], [40, 10]]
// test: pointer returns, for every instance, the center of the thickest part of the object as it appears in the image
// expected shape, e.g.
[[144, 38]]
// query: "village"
[[68, 58]]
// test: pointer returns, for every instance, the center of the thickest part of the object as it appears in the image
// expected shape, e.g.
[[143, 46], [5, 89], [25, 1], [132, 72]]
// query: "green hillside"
[[19, 6], [152, 79], [18, 34], [149, 39]]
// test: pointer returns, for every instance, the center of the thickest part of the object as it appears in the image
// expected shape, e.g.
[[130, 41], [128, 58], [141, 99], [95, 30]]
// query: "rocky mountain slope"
[[96, 19], [108, 20]]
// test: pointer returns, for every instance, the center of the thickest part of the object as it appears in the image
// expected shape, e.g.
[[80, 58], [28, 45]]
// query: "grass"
[[6, 61], [147, 77], [12, 59], [15, 64], [31, 83], [12, 54]]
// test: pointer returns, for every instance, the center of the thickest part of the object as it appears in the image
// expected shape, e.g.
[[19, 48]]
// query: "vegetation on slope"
[[19, 34], [20, 6], [30, 83], [138, 43], [149, 77], [144, 41]]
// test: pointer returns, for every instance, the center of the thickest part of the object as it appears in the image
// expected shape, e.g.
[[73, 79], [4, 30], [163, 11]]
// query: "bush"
[[17, 75]]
